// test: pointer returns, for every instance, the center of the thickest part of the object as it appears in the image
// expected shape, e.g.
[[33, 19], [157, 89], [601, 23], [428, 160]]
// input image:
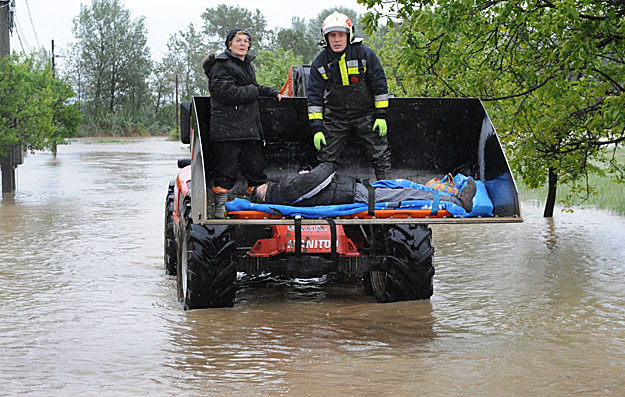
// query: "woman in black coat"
[[235, 129]]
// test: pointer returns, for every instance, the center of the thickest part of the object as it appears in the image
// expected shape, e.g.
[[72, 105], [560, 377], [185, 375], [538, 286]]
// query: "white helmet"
[[337, 22]]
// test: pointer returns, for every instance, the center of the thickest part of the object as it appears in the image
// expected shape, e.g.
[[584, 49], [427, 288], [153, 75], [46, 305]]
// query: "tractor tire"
[[170, 237], [366, 282], [406, 272], [206, 274]]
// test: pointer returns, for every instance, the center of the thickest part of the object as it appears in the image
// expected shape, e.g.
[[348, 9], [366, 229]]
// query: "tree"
[[35, 108], [114, 61], [274, 65], [299, 39], [162, 85], [304, 38], [184, 58], [220, 20], [551, 73]]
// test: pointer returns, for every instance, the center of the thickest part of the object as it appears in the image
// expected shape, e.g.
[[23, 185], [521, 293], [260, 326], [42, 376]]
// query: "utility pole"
[[177, 112], [15, 156], [53, 68], [53, 148], [6, 27]]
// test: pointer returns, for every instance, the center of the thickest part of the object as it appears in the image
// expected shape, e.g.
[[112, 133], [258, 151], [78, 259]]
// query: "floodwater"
[[532, 308]]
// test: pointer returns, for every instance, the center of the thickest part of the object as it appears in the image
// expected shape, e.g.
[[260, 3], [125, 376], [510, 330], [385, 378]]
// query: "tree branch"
[[614, 83], [519, 94]]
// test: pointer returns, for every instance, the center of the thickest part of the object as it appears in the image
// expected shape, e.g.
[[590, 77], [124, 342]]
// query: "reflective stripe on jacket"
[[358, 63]]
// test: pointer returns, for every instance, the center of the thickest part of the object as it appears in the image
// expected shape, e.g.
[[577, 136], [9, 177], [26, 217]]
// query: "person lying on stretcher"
[[322, 186]]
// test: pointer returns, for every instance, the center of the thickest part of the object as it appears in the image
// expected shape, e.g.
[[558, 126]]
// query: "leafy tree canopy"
[[304, 37], [218, 21], [184, 57], [114, 58], [274, 67], [552, 74], [35, 108]]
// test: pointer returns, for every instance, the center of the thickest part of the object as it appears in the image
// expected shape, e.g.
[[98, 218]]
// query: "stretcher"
[[482, 207]]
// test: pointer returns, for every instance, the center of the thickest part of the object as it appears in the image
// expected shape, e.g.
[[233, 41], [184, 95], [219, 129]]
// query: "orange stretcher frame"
[[378, 214]]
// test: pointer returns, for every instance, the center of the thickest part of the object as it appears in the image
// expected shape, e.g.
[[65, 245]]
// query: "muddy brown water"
[[533, 308]]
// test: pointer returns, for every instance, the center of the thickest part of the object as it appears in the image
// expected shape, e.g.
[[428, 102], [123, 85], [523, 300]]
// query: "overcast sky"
[[40, 21]]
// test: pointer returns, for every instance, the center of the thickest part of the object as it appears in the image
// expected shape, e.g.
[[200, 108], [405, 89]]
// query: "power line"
[[31, 24], [20, 35]]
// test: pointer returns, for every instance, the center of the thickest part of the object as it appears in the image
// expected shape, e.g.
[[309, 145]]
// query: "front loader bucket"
[[428, 137]]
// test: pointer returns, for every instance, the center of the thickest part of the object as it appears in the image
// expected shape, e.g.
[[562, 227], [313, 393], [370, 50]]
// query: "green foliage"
[[173, 134], [304, 38], [607, 194], [35, 108], [274, 65], [301, 39], [184, 57], [126, 123], [120, 92], [551, 75], [113, 60], [218, 21]]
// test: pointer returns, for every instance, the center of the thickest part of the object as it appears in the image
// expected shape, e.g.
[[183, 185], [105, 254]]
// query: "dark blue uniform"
[[347, 91]]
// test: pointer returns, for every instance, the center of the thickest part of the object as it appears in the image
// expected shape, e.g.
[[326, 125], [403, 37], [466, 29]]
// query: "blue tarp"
[[482, 205]]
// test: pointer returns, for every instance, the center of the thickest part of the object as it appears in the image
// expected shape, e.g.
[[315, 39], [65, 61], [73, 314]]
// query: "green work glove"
[[319, 138], [380, 124]]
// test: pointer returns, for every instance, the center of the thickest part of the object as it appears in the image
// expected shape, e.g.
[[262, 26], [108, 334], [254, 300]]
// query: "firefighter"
[[235, 132], [356, 100]]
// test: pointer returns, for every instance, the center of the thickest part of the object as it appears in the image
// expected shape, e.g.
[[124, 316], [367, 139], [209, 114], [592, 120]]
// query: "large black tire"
[[366, 281], [406, 271], [207, 273], [170, 237]]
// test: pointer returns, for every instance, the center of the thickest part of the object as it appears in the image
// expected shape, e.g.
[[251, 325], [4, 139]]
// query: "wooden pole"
[[177, 110], [53, 147], [7, 163]]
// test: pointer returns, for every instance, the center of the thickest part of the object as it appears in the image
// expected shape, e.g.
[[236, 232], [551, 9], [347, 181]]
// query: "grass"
[[608, 195]]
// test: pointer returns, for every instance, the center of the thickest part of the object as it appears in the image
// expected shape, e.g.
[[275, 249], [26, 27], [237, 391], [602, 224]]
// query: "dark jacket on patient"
[[320, 186]]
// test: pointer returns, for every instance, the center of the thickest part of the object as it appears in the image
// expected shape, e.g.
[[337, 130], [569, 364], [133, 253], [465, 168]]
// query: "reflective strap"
[[316, 189], [381, 101], [315, 109], [381, 104], [322, 72], [343, 68], [353, 67], [315, 116], [381, 97], [356, 71]]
